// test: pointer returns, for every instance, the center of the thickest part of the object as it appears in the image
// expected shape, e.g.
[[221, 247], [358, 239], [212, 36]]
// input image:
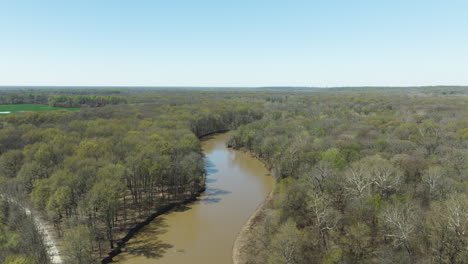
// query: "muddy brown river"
[[204, 231]]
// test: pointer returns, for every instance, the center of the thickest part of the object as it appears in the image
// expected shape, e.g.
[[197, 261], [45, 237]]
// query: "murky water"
[[204, 231]]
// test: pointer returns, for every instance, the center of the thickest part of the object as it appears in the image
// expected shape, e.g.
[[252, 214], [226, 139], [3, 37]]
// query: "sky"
[[234, 43]]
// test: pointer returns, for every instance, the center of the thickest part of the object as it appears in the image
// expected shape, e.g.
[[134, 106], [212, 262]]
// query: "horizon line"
[[214, 86]]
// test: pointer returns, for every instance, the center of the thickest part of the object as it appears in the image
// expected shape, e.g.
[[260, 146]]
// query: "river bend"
[[204, 231]]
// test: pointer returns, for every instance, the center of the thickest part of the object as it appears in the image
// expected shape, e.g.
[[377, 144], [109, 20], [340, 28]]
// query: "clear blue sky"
[[234, 43]]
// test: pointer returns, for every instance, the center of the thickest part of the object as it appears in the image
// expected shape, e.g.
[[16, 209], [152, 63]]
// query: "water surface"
[[204, 231]]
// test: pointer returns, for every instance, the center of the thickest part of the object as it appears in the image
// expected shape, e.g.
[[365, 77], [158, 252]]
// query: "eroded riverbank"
[[205, 231]]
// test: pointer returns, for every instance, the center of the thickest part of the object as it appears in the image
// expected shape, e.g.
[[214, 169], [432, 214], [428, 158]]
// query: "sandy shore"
[[239, 255]]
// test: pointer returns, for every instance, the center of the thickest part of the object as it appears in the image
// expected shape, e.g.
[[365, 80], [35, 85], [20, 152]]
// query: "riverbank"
[[204, 231], [239, 250], [121, 243], [245, 235], [134, 230]]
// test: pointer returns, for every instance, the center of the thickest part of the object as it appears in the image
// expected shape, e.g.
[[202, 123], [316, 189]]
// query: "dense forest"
[[96, 173], [362, 178], [363, 175]]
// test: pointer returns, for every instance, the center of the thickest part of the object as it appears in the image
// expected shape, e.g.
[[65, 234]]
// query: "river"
[[204, 231]]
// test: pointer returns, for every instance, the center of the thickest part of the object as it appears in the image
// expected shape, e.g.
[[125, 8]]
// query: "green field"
[[15, 108]]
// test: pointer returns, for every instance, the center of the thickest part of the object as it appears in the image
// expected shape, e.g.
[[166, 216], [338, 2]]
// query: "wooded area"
[[20, 240], [362, 176], [98, 172]]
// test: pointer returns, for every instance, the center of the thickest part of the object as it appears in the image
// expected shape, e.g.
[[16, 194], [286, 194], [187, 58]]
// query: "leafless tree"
[[457, 215], [320, 173], [400, 221], [383, 174], [431, 178], [358, 178], [325, 217]]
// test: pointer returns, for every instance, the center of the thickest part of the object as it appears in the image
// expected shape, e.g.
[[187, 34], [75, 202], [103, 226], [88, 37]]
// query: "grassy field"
[[6, 109]]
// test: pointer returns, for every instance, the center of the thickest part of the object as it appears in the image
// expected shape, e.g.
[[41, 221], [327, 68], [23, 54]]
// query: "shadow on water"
[[211, 171], [182, 208], [209, 164], [210, 200], [208, 137], [210, 180], [212, 191], [150, 248], [210, 167], [212, 195]]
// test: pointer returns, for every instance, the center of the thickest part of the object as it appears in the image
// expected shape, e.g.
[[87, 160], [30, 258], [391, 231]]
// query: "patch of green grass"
[[14, 108]]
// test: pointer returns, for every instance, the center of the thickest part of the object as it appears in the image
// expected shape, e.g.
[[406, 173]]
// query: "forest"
[[97, 172], [362, 178], [368, 175]]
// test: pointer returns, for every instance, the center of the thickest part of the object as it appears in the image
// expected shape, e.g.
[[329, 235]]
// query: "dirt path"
[[49, 241], [44, 229]]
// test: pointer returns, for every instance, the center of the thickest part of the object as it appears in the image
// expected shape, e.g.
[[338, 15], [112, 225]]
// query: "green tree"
[[18, 260], [106, 197], [41, 193], [286, 244], [78, 245], [29, 173], [334, 157], [10, 163], [60, 203], [357, 243]]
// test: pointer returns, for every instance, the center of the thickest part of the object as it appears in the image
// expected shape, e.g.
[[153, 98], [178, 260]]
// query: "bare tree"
[[324, 216], [430, 135], [358, 178], [431, 178], [448, 228], [400, 222], [382, 173], [321, 172], [457, 215]]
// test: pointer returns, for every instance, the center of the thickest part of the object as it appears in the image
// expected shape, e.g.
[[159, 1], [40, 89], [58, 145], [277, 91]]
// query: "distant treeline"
[[24, 98], [62, 100], [90, 100]]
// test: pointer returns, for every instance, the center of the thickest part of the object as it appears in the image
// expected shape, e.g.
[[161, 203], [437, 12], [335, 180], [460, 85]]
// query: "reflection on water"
[[204, 231]]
